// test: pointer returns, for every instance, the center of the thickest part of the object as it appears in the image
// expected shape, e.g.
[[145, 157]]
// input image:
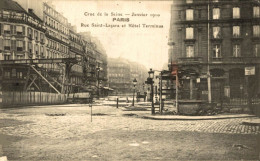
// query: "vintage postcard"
[[129, 80]]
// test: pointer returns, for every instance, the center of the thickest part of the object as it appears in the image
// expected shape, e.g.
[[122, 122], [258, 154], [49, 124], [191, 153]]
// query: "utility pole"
[[153, 111], [177, 91], [160, 87], [208, 69]]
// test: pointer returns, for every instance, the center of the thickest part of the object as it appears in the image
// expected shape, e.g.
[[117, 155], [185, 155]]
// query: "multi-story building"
[[65, 60], [97, 64], [215, 45], [140, 73], [22, 36], [76, 50], [121, 74]]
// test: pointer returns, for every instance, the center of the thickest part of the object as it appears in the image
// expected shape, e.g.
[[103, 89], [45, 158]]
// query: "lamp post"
[[98, 69], [134, 82], [151, 76]]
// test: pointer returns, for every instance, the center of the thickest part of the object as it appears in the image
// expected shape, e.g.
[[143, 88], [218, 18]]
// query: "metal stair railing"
[[44, 78]]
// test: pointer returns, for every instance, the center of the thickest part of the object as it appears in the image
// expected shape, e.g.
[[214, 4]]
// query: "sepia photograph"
[[129, 80]]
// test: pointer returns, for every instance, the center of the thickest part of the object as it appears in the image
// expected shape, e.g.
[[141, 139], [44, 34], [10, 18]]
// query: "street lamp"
[[98, 69], [151, 76], [134, 82]]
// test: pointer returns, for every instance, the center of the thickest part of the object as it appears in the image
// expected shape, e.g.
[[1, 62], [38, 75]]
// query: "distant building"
[[97, 63], [227, 44], [121, 74]]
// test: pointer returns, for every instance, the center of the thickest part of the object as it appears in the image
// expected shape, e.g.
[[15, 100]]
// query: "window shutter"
[[28, 31], [24, 46], [13, 45], [1, 44], [14, 30], [23, 30], [11, 28]]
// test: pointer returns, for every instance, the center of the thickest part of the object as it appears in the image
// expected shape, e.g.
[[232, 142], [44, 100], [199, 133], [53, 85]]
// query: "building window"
[[19, 75], [189, 33], [19, 56], [236, 31], [30, 47], [189, 1], [47, 20], [42, 37], [256, 30], [256, 12], [236, 12], [41, 50], [257, 50], [199, 14], [216, 13], [30, 32], [19, 45], [216, 32], [7, 44], [6, 14], [216, 51], [13, 72], [190, 51], [19, 30], [36, 49], [7, 56], [236, 50], [189, 14], [36, 35], [179, 15], [7, 29], [7, 74]]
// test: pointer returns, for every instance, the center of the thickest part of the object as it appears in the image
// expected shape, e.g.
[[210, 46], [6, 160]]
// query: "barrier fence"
[[14, 98]]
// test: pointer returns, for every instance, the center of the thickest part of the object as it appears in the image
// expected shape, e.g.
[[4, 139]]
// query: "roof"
[[10, 5], [31, 13]]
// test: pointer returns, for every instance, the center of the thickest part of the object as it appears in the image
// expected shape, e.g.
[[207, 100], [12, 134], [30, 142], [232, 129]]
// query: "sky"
[[145, 45]]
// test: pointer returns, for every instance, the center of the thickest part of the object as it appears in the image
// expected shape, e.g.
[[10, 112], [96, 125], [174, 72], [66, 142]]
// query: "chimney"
[[30, 10]]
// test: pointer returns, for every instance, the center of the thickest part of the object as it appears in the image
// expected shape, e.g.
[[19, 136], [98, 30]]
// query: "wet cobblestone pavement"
[[73, 122], [78, 122]]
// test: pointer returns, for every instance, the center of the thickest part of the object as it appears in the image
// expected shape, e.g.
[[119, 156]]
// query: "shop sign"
[[250, 70]]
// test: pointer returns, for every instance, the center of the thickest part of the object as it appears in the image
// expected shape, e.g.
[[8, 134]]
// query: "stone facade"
[[221, 37]]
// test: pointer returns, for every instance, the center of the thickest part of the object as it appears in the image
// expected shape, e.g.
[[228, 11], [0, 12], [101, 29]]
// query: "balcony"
[[243, 60], [24, 19], [190, 60]]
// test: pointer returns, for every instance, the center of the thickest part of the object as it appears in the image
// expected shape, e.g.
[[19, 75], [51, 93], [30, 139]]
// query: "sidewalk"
[[214, 117], [252, 122], [146, 114]]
